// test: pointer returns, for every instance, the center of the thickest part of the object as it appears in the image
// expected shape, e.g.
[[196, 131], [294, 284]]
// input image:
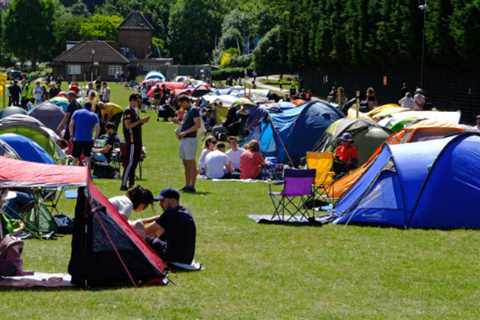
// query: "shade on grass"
[[268, 272]]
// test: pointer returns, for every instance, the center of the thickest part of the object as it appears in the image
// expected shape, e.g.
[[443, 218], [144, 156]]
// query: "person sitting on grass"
[[217, 164], [210, 143], [346, 155], [172, 235], [251, 161], [234, 153]]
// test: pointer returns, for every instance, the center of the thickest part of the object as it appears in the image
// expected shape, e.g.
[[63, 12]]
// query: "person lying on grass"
[[136, 199]]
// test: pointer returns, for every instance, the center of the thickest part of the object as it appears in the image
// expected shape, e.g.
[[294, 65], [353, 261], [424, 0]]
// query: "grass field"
[[267, 272]]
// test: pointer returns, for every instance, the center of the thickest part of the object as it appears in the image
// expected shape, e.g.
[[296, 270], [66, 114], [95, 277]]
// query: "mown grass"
[[267, 272]]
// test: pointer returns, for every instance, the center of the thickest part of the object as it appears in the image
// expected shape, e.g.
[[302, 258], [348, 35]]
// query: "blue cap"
[[346, 136], [168, 193]]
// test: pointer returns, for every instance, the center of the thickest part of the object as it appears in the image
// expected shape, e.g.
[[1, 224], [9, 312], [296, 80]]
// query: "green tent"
[[367, 136], [32, 128]]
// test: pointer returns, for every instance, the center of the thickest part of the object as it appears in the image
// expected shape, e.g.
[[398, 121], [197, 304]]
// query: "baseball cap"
[[346, 136], [168, 193], [72, 93], [183, 97]]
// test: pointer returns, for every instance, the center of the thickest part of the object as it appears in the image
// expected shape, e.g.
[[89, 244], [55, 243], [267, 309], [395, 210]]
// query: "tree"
[[194, 27], [269, 56], [100, 27], [80, 9], [29, 25]]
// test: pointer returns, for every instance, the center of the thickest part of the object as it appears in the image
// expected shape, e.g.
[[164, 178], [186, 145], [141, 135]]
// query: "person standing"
[[403, 90], [38, 93], [15, 91], [132, 133], [105, 96], [73, 106], [82, 126], [187, 134], [419, 100], [54, 91]]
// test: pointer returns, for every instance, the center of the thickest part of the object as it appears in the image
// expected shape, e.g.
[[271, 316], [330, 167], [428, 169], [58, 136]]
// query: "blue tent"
[[155, 75], [294, 130], [26, 148], [434, 184]]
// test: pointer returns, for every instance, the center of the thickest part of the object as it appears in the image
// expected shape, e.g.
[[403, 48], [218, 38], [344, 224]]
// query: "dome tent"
[[290, 133], [8, 111], [26, 148], [48, 113], [32, 128], [367, 136], [436, 191]]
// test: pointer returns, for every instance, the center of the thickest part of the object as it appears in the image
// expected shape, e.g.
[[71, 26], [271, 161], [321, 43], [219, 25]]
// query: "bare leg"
[[187, 172], [193, 173]]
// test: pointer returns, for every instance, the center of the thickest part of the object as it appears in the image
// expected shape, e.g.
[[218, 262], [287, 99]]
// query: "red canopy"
[[170, 85], [18, 173]]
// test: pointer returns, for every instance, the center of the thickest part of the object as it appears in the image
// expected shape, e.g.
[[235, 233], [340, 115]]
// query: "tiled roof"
[[82, 53], [135, 21]]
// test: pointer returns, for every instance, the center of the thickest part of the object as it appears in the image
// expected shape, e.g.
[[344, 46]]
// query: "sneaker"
[[188, 189]]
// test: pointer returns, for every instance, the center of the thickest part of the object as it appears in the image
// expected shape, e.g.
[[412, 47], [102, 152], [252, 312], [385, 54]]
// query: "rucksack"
[[103, 170], [11, 263]]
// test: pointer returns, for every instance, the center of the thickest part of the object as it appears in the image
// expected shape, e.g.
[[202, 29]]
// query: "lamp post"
[[93, 63], [423, 7]]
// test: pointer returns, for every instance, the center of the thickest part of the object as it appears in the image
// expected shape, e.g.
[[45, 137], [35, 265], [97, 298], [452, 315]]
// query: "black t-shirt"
[[133, 135], [180, 233], [189, 122], [53, 92], [15, 91], [111, 140], [72, 107]]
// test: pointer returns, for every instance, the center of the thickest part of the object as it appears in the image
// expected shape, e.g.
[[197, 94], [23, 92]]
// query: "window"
[[74, 69], [114, 69]]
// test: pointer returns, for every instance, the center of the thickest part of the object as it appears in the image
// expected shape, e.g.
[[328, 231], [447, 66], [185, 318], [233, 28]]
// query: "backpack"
[[11, 263], [103, 171]]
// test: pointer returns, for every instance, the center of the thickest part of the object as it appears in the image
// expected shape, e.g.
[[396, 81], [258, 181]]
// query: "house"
[[90, 60], [130, 55]]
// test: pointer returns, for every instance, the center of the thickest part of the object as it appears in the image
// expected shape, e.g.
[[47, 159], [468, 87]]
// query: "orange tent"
[[421, 131]]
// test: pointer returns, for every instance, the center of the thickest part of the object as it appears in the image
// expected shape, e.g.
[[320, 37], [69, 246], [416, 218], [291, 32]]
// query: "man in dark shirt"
[[73, 106], [132, 132], [14, 91], [110, 140], [54, 91], [187, 135], [173, 234]]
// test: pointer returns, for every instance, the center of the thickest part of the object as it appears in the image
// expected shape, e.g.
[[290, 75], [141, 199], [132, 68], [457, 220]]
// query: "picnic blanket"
[[38, 279], [294, 221], [240, 180]]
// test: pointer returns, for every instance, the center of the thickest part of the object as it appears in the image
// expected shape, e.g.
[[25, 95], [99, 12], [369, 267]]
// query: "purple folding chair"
[[297, 188]]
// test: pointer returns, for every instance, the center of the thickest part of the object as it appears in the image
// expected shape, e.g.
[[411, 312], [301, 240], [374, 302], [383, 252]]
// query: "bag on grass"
[[11, 263], [103, 171]]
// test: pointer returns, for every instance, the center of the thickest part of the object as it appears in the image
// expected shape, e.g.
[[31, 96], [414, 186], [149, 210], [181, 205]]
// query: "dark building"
[[90, 60], [130, 55], [135, 34]]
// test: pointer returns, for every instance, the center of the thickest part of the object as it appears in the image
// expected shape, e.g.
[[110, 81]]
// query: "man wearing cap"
[[132, 132], [346, 155], [187, 134], [73, 106], [172, 235]]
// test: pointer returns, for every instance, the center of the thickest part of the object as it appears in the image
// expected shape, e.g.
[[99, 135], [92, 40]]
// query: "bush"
[[225, 73], [227, 56], [244, 61]]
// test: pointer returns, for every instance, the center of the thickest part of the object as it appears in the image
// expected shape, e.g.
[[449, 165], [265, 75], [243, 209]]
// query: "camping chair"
[[322, 163], [297, 189]]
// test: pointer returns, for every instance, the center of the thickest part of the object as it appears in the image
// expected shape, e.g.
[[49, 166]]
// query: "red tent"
[[170, 85], [106, 250]]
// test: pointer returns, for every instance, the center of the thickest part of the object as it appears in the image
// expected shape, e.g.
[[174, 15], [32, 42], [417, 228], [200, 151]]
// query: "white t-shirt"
[[201, 160], [407, 102], [235, 157], [215, 163], [123, 204]]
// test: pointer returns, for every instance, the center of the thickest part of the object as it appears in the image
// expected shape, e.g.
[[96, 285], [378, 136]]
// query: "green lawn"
[[267, 272]]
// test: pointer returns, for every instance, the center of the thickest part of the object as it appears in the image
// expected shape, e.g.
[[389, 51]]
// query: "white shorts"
[[188, 148]]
